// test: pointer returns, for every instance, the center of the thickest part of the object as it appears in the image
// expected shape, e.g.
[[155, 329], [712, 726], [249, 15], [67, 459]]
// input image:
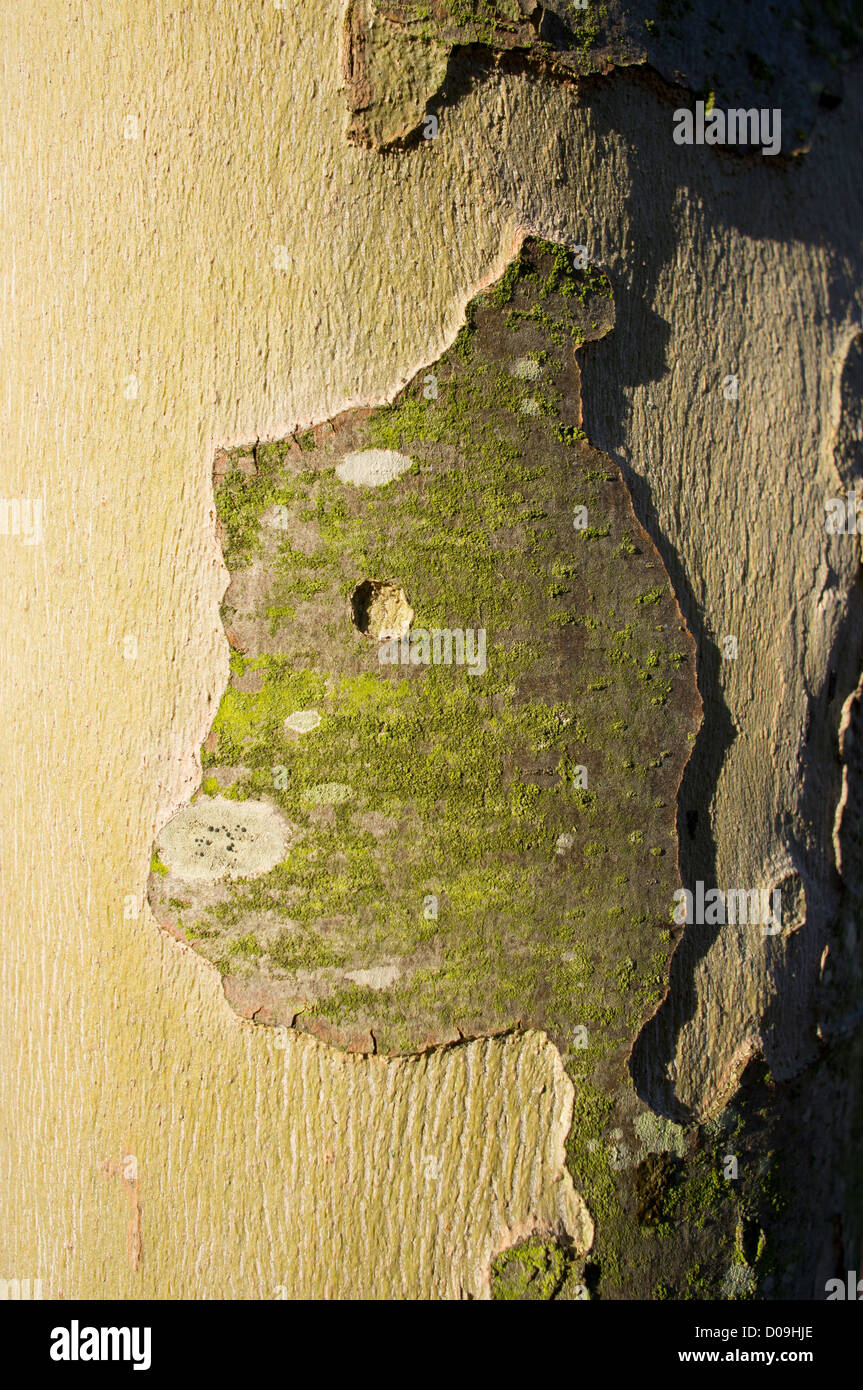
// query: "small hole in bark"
[[380, 609]]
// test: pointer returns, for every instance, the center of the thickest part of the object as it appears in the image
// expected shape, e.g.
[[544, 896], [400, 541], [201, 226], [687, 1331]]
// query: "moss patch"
[[531, 1272], [440, 860], [476, 845]]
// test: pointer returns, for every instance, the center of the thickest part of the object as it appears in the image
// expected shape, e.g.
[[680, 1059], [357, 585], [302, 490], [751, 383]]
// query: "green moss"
[[461, 787], [245, 946], [480, 17], [303, 950], [531, 1272], [585, 25], [593, 282], [503, 291], [653, 595]]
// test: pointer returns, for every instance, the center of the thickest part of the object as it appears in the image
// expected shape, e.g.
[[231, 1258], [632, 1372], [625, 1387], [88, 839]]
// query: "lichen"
[[505, 850]]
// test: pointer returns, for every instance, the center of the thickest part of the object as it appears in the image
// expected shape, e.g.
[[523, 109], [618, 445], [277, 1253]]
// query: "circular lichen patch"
[[302, 721], [372, 467], [377, 977], [327, 794], [217, 838], [525, 369]]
